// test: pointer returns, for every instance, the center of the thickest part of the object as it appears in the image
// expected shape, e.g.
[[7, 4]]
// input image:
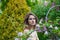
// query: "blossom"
[[46, 3], [50, 26], [46, 33], [29, 38], [37, 27], [53, 4], [16, 38], [20, 33], [44, 28], [56, 28]]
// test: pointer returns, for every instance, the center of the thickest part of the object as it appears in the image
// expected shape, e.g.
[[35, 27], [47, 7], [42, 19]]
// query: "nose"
[[33, 21]]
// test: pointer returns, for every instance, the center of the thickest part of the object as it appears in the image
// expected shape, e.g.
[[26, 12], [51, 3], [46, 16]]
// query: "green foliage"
[[42, 36], [53, 17], [31, 3], [12, 19], [40, 10], [3, 4], [56, 1]]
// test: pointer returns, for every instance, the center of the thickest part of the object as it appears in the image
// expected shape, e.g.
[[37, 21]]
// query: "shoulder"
[[26, 29]]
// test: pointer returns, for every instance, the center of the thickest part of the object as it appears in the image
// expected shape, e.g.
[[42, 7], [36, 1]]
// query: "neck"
[[31, 27]]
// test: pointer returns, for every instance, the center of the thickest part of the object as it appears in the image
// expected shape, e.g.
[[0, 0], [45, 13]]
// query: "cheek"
[[34, 21], [29, 21]]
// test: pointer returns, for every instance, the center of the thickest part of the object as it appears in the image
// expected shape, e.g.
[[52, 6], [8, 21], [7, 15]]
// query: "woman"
[[31, 21]]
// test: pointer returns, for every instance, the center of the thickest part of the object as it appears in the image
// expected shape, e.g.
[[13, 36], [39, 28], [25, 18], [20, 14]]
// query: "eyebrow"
[[28, 18]]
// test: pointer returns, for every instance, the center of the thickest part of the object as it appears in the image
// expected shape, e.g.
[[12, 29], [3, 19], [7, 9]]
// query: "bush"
[[11, 20]]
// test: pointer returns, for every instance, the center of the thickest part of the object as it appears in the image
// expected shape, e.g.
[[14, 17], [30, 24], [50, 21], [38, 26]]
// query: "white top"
[[32, 36]]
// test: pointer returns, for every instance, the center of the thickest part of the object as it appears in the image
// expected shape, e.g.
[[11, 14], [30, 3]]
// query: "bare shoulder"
[[26, 29]]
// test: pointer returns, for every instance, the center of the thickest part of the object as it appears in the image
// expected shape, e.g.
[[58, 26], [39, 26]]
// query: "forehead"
[[31, 16]]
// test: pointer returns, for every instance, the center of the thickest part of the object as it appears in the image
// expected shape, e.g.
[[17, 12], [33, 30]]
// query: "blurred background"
[[12, 13]]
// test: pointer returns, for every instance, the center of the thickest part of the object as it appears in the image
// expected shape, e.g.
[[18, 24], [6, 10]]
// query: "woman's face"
[[31, 20]]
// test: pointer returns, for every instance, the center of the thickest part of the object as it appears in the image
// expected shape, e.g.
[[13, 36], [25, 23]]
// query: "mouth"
[[32, 22]]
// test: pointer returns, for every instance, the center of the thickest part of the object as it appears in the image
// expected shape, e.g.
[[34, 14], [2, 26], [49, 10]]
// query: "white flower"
[[46, 3], [37, 27], [16, 38], [29, 38], [50, 26], [20, 33], [56, 28], [46, 33], [40, 22]]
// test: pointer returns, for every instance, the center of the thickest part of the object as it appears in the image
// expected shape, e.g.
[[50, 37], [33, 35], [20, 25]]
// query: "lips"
[[32, 21]]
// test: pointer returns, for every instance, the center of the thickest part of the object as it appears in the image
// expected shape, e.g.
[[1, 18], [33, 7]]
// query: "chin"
[[33, 24]]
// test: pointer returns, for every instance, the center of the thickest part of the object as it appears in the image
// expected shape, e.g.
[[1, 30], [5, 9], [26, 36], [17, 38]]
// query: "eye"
[[30, 18]]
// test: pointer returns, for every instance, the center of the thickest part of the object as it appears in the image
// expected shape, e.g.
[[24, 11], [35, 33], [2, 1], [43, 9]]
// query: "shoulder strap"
[[30, 32]]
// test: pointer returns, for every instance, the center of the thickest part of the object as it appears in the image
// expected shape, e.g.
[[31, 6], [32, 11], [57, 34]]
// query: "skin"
[[32, 21]]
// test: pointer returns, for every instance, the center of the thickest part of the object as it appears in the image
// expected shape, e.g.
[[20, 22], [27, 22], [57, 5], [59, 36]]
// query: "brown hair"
[[27, 16]]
